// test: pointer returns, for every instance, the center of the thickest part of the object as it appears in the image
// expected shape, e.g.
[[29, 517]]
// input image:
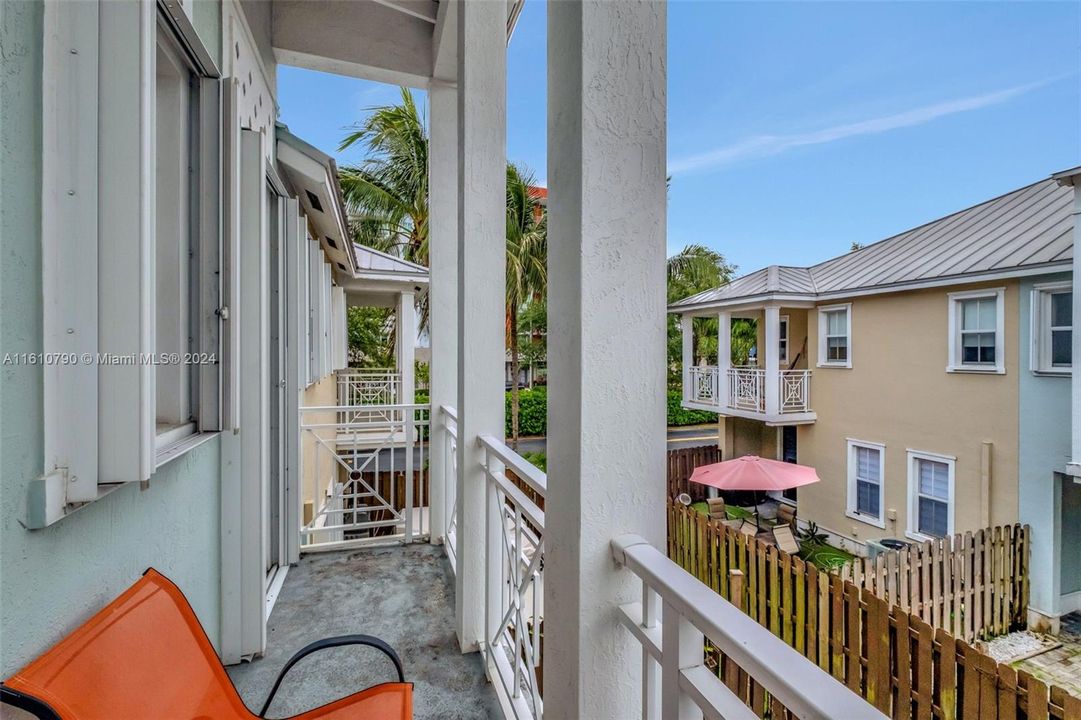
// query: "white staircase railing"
[[514, 578], [675, 617], [364, 480]]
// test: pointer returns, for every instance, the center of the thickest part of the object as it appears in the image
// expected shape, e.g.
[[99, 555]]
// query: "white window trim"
[[850, 447], [783, 320], [1040, 333], [913, 485], [953, 306], [822, 362]]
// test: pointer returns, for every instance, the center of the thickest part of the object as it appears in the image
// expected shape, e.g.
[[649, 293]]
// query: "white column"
[[1074, 466], [482, 172], [443, 288], [606, 313], [686, 327], [724, 356], [407, 344], [772, 341]]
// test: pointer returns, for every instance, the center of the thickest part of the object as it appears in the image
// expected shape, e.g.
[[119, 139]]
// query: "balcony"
[[743, 392]]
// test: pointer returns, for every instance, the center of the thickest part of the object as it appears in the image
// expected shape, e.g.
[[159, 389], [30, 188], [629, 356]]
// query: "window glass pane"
[[932, 517], [1061, 350], [988, 321], [970, 315], [934, 478], [867, 498], [837, 349], [837, 322], [1062, 309], [978, 347]]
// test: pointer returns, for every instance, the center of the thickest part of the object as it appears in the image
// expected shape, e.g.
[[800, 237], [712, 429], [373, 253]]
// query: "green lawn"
[[733, 512]]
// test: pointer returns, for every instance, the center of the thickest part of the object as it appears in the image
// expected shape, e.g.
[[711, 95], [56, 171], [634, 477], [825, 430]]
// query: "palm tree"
[[694, 269], [387, 193], [527, 275]]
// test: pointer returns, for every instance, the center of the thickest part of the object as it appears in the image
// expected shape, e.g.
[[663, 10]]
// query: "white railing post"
[[493, 545], [682, 648], [651, 669], [724, 355]]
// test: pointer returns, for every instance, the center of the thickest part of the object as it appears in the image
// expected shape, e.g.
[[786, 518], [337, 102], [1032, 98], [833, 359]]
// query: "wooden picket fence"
[[895, 659], [973, 585], [682, 462]]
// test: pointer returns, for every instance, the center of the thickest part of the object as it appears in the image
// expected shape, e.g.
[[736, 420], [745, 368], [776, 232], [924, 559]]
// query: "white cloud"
[[766, 145]]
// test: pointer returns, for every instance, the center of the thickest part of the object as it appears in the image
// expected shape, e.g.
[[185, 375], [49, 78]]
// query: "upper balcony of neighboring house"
[[745, 348]]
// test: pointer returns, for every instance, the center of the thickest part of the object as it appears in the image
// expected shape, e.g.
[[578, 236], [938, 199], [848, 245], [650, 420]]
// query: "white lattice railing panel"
[[795, 390], [359, 389], [450, 484], [704, 385], [746, 389]]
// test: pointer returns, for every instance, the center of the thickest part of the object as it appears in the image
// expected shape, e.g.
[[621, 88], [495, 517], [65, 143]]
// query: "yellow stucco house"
[[925, 377]]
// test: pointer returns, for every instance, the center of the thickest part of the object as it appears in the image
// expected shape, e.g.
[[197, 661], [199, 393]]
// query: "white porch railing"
[[514, 578], [795, 389], [358, 388], [678, 612], [704, 384], [364, 480], [746, 389], [450, 483]]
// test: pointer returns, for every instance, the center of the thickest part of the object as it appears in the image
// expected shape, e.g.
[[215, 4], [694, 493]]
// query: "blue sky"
[[796, 129]]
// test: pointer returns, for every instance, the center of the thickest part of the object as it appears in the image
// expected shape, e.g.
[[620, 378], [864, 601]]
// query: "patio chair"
[[145, 655], [748, 528], [786, 514], [717, 510], [786, 541]]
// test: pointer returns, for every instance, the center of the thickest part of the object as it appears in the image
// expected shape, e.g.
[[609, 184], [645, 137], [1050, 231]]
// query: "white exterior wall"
[[606, 412]]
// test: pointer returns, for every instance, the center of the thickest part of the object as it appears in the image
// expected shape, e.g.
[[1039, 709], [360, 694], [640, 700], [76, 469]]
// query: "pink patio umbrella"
[[751, 472]]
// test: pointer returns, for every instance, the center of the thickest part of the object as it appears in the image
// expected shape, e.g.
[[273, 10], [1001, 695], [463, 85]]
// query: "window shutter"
[[209, 259], [315, 288], [328, 360], [125, 239], [230, 270], [341, 330], [69, 241]]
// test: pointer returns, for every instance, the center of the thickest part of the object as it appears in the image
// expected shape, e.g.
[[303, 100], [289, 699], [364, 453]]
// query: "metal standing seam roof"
[[1027, 228], [372, 260]]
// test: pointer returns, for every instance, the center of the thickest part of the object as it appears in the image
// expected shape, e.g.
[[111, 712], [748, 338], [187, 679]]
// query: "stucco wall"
[[323, 393], [53, 579], [1044, 433], [899, 393]]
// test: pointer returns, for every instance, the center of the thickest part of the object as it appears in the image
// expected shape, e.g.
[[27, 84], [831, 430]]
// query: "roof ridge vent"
[[773, 278]]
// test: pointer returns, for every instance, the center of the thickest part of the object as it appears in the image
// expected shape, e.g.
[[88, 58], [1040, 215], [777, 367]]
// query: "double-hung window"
[[976, 331], [930, 489], [866, 471], [835, 336], [1052, 328], [783, 341]]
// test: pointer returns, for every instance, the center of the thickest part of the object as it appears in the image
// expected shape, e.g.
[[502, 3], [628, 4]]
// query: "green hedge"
[[533, 411], [679, 415]]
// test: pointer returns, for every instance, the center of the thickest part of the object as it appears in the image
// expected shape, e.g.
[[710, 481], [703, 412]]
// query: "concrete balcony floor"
[[404, 595]]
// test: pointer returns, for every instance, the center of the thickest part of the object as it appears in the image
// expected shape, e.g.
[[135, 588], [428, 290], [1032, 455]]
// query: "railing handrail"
[[368, 371], [345, 408], [801, 686], [524, 469], [449, 411]]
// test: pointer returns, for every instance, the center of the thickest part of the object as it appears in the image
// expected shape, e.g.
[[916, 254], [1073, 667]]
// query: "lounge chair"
[[786, 514], [145, 655], [782, 534], [717, 509], [748, 528]]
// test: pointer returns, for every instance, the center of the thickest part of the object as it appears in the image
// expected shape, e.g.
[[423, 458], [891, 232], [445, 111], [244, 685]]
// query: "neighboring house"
[[925, 377]]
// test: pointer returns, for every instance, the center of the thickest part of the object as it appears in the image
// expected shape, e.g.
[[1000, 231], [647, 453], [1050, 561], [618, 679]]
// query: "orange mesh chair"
[[146, 657]]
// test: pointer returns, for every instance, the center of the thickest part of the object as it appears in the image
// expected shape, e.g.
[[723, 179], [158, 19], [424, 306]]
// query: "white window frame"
[[914, 456], [783, 331], [851, 510], [823, 362], [1040, 329], [955, 304]]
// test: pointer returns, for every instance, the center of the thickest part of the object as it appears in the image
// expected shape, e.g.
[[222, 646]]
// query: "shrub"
[[532, 411], [679, 415]]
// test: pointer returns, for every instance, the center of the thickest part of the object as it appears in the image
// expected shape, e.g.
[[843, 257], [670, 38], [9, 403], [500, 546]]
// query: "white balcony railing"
[[795, 390], [450, 483], [746, 389], [704, 384], [514, 578], [365, 479], [358, 389], [675, 617]]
